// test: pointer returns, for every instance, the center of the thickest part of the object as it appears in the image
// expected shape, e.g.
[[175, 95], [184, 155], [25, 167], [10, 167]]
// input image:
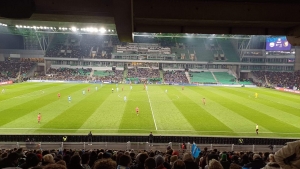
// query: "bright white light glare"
[[17, 26], [108, 30], [112, 30], [74, 29], [102, 30]]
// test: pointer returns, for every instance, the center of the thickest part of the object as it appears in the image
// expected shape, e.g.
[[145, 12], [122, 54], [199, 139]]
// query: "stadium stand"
[[202, 77], [115, 76], [143, 75], [10, 69], [229, 51], [279, 79], [65, 74], [224, 77], [133, 159], [177, 76]]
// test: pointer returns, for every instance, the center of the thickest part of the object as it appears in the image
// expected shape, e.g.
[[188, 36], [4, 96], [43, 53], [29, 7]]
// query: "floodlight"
[[74, 29], [102, 30]]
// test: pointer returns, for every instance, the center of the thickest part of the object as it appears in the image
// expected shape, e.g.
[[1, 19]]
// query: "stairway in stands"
[[161, 72], [125, 74], [92, 73], [188, 77], [214, 76]]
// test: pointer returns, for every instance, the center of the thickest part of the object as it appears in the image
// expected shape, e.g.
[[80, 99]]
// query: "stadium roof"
[[247, 17]]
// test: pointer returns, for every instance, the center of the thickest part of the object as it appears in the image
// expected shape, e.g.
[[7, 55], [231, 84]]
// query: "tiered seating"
[[175, 77], [224, 77], [115, 76], [100, 73], [202, 77], [280, 79], [229, 51]]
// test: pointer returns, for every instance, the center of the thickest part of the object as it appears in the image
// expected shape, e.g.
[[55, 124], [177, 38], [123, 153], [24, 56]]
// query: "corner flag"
[[195, 150]]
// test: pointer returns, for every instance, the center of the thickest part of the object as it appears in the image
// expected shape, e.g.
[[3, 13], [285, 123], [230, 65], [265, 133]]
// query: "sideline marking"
[[152, 111]]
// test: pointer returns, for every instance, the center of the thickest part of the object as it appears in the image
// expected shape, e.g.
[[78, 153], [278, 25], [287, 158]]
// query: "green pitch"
[[228, 111]]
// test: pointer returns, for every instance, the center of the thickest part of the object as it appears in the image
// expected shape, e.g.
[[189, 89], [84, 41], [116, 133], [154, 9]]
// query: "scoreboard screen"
[[277, 44]]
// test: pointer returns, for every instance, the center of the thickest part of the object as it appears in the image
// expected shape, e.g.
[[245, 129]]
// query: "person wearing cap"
[[224, 161]]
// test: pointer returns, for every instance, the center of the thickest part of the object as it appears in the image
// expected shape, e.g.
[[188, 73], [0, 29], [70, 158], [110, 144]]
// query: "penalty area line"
[[152, 111]]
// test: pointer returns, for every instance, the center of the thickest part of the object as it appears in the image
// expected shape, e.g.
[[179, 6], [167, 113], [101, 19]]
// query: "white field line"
[[152, 111], [142, 130]]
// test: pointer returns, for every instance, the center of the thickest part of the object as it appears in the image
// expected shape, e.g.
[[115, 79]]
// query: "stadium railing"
[[134, 145]]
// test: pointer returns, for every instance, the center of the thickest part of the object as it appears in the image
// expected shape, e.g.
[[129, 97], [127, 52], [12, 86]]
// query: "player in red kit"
[[39, 118], [137, 111], [182, 88], [122, 88], [58, 95], [88, 89]]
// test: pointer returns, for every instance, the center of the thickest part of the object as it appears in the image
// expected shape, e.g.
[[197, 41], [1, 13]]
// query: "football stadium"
[[149, 85]]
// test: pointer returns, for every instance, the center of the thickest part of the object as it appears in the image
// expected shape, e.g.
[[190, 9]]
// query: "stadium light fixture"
[[74, 29], [102, 30]]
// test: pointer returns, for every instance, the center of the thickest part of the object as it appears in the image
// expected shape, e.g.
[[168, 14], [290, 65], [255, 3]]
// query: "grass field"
[[228, 111]]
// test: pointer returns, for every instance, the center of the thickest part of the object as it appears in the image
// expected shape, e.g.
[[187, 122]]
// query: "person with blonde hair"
[[272, 163], [48, 159], [188, 159], [214, 164]]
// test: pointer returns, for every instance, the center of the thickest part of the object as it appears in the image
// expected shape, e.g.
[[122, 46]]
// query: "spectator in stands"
[[288, 157], [214, 164], [188, 159], [140, 161], [150, 163], [257, 162], [244, 160], [85, 158], [124, 162], [173, 159], [105, 164], [179, 164], [47, 159], [272, 163], [224, 161], [159, 160], [75, 162], [235, 166], [31, 161], [10, 161], [54, 166], [93, 158], [61, 162]]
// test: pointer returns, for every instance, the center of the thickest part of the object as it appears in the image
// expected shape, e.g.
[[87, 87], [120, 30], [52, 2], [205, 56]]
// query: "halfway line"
[[151, 110]]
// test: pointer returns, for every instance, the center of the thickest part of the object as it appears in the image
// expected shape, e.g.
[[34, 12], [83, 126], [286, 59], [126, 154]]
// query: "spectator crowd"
[[11, 69], [115, 76], [285, 158], [65, 74], [175, 76], [279, 79], [143, 73]]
